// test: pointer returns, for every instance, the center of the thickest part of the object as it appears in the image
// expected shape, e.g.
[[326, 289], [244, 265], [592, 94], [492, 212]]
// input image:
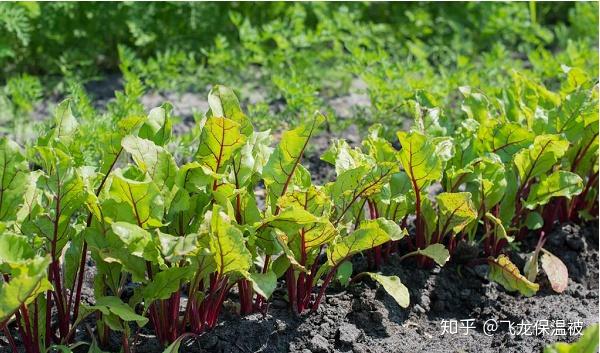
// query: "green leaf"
[[175, 248], [358, 184], [13, 178], [559, 183], [264, 283], [504, 272], [165, 283], [534, 220], [588, 343], [380, 149], [151, 159], [419, 158], [252, 158], [392, 229], [137, 240], [369, 235], [27, 281], [174, 347], [219, 139], [66, 124], [436, 252], [312, 208], [228, 245], [486, 182], [224, 103], [113, 305], [14, 248], [498, 230], [456, 211], [279, 172], [158, 126], [394, 287], [540, 157], [344, 157], [344, 272], [94, 348], [141, 201], [505, 139], [531, 265]]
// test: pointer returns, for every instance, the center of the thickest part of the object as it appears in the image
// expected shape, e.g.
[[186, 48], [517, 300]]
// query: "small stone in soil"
[[318, 344], [419, 309], [348, 333]]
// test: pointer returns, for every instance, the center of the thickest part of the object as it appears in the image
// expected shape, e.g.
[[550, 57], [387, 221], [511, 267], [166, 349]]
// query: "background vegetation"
[[286, 59]]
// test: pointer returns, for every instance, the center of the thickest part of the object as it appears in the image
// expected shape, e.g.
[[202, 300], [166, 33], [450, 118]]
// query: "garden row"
[[185, 233]]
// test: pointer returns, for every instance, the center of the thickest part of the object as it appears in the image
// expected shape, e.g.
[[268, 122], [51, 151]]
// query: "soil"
[[364, 319]]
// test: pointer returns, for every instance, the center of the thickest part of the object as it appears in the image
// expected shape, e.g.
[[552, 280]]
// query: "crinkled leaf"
[[228, 245], [540, 156], [14, 248], [456, 211], [219, 139], [504, 272], [152, 159], [279, 171], [419, 158], [158, 126], [138, 241], [344, 157], [251, 158], [486, 181], [224, 103]]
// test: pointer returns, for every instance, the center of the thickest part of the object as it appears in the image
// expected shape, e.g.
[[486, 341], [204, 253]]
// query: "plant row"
[[241, 213]]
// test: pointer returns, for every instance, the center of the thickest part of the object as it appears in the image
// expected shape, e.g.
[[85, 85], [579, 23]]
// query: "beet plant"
[[329, 229], [520, 160], [48, 198], [182, 233]]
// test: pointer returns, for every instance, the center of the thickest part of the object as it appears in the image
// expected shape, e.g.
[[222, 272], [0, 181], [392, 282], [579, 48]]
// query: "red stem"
[[324, 286], [291, 287], [10, 338]]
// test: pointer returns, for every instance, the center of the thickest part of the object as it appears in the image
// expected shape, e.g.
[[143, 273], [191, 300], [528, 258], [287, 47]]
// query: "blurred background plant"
[[286, 59]]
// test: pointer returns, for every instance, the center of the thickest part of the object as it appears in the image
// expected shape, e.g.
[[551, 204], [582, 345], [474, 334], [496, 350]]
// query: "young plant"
[[319, 229], [423, 159], [50, 208], [181, 231]]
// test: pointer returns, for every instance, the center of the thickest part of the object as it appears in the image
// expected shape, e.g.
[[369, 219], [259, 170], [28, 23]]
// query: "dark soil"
[[364, 319]]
